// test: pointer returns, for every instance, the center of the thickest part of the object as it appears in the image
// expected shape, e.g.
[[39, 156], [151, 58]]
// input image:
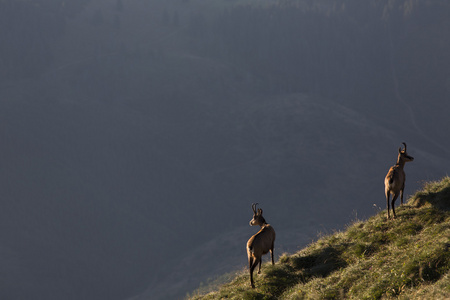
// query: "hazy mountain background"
[[136, 134]]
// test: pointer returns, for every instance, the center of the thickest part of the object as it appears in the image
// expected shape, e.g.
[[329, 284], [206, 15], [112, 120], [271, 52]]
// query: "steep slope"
[[407, 257], [154, 117], [298, 143]]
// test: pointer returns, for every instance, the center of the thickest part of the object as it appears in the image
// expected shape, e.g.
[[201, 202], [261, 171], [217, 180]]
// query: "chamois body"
[[260, 243], [394, 183]]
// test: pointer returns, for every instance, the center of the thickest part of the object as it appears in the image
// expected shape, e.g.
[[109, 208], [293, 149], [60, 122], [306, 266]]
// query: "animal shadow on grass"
[[320, 263], [439, 200]]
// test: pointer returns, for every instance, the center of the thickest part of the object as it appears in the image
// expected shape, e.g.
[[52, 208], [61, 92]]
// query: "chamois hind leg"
[[393, 204], [271, 254], [401, 195], [260, 263], [250, 264], [387, 203], [252, 268]]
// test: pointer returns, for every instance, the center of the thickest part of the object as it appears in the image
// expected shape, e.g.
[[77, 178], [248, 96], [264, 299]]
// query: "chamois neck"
[[401, 162]]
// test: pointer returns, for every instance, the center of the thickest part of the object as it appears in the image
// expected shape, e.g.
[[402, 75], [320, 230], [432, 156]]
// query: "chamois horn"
[[254, 207]]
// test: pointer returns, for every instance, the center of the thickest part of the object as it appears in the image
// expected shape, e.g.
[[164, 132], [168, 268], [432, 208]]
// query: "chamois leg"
[[401, 195], [250, 264], [252, 268], [393, 204], [260, 263], [387, 203], [251, 275], [271, 254]]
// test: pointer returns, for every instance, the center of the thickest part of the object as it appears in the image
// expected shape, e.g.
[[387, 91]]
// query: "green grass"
[[405, 258]]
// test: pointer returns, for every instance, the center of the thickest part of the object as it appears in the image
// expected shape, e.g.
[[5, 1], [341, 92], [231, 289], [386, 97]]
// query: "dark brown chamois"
[[394, 183], [259, 244]]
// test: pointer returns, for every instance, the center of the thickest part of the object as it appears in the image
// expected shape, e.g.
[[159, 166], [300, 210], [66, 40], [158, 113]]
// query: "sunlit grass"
[[408, 257]]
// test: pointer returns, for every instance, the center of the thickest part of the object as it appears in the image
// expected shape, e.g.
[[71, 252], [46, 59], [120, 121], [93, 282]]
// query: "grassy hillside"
[[405, 258]]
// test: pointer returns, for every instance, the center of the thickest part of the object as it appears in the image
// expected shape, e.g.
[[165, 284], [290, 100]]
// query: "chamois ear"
[[400, 150], [260, 211]]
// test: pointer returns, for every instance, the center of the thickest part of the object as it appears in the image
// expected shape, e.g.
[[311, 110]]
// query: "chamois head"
[[257, 216], [403, 156]]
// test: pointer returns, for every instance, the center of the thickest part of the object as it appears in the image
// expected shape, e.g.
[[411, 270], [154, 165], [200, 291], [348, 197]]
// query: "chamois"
[[260, 243], [394, 183]]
